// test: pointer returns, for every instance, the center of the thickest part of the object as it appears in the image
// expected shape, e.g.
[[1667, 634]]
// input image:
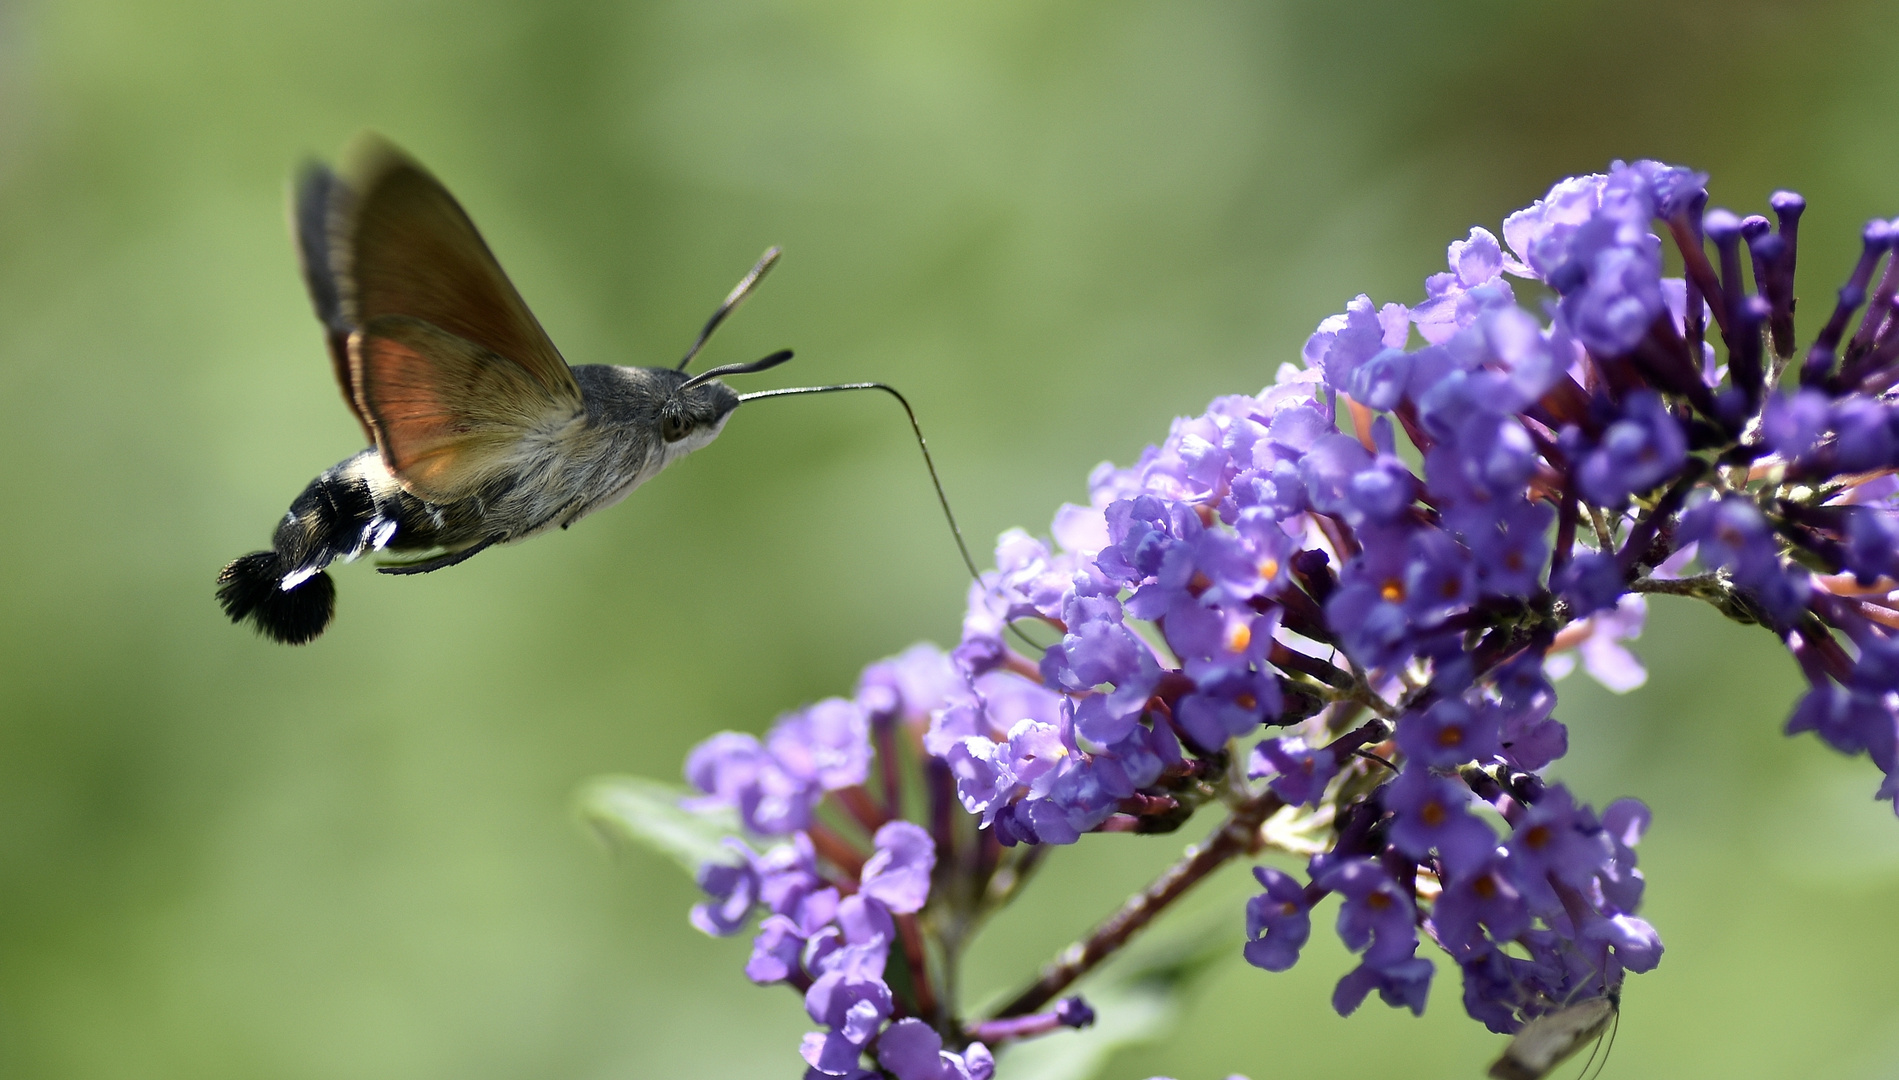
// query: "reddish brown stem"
[[839, 852], [885, 734], [1232, 838], [1237, 836], [912, 939], [1022, 666], [862, 808]]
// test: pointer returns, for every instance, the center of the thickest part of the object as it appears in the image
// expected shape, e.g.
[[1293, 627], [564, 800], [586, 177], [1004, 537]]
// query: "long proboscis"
[[929, 463]]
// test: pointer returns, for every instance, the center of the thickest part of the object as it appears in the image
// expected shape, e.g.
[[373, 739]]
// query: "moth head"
[[698, 406], [695, 412]]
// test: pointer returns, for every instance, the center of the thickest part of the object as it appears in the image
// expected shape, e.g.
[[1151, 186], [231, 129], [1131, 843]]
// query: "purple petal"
[[898, 874], [911, 1050]]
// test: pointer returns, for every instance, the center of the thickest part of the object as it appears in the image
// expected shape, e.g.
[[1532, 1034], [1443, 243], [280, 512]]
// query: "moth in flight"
[[479, 432]]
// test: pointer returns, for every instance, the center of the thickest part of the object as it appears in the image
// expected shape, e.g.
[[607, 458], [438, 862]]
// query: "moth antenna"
[[732, 300], [1615, 1025], [1593, 1050], [928, 462], [709, 374]]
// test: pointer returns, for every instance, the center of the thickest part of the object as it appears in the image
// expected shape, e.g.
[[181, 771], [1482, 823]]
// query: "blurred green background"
[[1056, 225]]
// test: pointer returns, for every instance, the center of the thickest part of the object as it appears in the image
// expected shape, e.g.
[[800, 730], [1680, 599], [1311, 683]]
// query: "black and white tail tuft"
[[251, 587]]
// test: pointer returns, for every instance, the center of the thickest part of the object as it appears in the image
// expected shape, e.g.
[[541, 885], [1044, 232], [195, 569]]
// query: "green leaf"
[[1137, 1000], [635, 810]]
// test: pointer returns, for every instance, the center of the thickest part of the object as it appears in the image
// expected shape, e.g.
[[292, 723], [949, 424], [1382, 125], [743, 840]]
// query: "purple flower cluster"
[[1115, 727], [1386, 554], [1417, 852], [834, 907], [828, 929], [1445, 500], [776, 786], [1614, 413], [1563, 887]]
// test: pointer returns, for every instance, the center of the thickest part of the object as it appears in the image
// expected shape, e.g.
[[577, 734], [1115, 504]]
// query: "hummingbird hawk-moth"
[[479, 432]]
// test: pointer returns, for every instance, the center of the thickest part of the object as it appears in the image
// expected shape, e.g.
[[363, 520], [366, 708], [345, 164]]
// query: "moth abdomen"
[[285, 591], [252, 587]]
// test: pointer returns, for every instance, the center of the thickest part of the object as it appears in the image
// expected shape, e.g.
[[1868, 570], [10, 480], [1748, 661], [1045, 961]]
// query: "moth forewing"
[[448, 414], [314, 208], [1552, 1038], [411, 250]]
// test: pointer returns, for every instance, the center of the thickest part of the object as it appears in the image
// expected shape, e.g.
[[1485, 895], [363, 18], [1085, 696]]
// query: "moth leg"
[[570, 513], [439, 562]]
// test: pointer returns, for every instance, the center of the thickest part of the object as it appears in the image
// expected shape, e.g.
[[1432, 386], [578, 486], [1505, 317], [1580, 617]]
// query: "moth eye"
[[673, 427]]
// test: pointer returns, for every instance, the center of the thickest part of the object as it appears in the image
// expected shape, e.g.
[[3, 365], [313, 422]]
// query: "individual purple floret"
[[1598, 642], [898, 875], [1376, 915], [1590, 582], [1298, 773], [1640, 449], [1479, 907], [825, 745], [1405, 984], [912, 1050], [1430, 814], [776, 786], [1450, 733], [1731, 534], [1277, 921], [734, 892]]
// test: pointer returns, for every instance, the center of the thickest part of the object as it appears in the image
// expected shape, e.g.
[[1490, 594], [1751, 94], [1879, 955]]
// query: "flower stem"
[[913, 954], [1236, 836], [1232, 838]]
